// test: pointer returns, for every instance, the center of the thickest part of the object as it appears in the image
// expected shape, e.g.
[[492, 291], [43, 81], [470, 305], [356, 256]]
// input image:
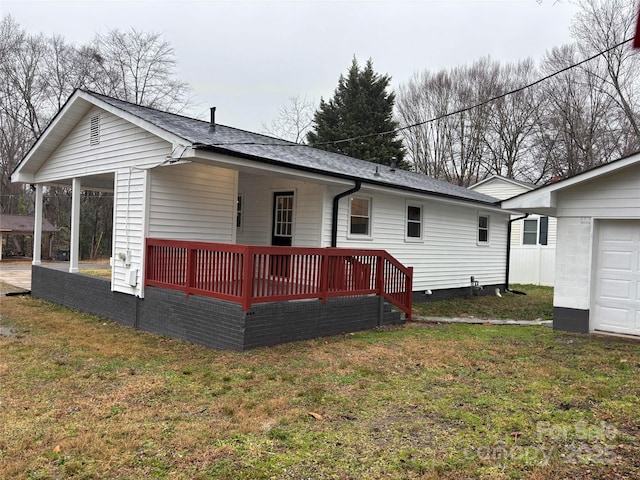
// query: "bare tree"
[[139, 67], [512, 121], [577, 125], [37, 75], [598, 27], [448, 146], [294, 120]]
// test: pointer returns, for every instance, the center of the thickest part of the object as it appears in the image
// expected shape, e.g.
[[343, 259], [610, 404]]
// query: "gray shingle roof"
[[262, 148]]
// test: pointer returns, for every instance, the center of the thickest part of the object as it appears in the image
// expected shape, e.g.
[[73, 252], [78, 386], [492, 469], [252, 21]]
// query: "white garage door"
[[617, 287]]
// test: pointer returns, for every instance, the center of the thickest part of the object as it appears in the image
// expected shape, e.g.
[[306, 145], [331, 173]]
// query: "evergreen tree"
[[360, 107]]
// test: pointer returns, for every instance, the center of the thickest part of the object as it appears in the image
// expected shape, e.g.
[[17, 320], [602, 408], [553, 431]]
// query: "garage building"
[[597, 273]]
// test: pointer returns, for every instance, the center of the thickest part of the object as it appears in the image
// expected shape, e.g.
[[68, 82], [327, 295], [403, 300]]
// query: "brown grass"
[[82, 397]]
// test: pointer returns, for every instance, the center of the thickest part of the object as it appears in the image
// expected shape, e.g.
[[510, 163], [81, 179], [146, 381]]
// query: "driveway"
[[18, 274]]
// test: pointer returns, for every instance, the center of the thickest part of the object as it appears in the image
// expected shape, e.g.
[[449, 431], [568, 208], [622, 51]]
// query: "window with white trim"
[[360, 216], [483, 228], [414, 222], [535, 231]]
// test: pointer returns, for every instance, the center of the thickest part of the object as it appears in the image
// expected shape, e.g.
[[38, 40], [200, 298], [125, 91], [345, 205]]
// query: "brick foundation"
[[207, 321]]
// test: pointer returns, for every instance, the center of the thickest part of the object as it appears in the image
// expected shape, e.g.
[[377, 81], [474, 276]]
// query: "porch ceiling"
[[98, 183]]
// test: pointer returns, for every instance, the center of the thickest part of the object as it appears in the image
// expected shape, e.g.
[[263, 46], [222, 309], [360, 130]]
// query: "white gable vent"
[[94, 130]]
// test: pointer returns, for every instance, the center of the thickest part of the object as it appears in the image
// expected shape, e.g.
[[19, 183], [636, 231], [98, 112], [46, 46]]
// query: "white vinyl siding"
[[122, 145], [258, 210], [501, 189], [193, 202], [123, 150], [614, 196], [448, 255]]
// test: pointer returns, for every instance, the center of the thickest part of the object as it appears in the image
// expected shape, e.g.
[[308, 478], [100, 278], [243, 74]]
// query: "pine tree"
[[361, 107]]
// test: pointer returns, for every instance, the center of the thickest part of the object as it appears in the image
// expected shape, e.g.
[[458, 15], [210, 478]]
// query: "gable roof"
[[234, 142], [543, 200], [23, 224], [501, 179]]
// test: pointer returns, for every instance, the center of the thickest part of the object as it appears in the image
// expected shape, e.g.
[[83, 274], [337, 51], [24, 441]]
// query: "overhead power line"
[[434, 119]]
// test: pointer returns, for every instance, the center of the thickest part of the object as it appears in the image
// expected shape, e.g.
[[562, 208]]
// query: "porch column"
[[37, 227], [75, 226]]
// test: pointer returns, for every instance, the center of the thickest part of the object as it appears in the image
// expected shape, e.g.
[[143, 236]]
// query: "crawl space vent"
[[94, 134]]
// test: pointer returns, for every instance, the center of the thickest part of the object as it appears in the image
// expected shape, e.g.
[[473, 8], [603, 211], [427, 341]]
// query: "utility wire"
[[434, 119]]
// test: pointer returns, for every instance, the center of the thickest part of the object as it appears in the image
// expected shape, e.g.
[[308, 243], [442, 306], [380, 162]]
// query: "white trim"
[[543, 200], [37, 228], [76, 188]]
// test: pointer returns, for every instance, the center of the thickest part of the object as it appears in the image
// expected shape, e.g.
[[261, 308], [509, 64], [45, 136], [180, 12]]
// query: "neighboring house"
[[183, 180], [12, 226], [533, 239], [597, 285]]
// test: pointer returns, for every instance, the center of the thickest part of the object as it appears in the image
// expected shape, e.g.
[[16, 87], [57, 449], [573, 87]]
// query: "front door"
[[282, 231]]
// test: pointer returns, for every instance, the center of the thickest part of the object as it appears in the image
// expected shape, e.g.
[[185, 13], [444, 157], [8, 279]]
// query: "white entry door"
[[617, 277]]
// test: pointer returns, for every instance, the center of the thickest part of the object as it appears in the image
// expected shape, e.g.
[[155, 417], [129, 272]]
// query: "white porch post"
[[75, 226], [0, 245], [37, 227]]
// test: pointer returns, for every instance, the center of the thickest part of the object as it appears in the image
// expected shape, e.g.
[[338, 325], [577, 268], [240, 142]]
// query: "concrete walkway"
[[481, 321]]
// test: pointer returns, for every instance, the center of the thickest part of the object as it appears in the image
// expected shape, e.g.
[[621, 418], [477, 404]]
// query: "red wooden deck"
[[248, 274]]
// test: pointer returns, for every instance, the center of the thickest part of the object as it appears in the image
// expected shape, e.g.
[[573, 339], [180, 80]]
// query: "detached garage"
[[597, 282]]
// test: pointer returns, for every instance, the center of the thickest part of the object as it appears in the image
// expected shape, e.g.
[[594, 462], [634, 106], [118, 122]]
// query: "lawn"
[[86, 398]]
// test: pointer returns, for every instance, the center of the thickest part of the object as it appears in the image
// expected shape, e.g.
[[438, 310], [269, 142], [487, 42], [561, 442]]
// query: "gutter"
[[334, 214], [506, 279]]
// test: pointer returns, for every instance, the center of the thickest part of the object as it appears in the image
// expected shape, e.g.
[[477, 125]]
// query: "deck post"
[[37, 228], [380, 287], [75, 225], [324, 277], [247, 287], [408, 282]]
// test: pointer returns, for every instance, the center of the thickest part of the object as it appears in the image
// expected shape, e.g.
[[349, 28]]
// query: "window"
[[530, 232], [414, 222], [94, 130], [483, 228], [239, 213], [360, 216], [535, 231]]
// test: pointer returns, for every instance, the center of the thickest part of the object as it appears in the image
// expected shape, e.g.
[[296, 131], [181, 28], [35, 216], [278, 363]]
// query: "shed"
[[18, 225]]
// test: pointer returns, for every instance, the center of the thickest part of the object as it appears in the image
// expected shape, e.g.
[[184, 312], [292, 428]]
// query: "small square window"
[[483, 228], [359, 216]]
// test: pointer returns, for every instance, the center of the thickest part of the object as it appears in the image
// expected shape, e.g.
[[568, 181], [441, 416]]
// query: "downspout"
[[506, 279], [334, 217]]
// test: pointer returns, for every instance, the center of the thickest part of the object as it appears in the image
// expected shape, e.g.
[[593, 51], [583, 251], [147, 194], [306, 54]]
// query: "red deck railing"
[[248, 274]]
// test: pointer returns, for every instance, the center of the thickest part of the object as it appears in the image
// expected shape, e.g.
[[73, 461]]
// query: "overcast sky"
[[249, 57]]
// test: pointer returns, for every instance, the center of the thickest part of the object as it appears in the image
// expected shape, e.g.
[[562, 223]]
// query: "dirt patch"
[[8, 332]]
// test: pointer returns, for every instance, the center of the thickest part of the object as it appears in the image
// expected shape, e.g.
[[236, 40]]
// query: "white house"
[[181, 179], [597, 283], [532, 247]]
